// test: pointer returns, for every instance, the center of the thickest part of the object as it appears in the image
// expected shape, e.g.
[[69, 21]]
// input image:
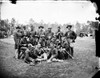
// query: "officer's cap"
[[41, 27], [69, 26]]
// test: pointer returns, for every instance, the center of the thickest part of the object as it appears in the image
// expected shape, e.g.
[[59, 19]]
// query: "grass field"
[[82, 66]]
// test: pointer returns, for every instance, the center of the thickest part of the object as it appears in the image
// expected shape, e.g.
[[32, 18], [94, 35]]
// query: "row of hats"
[[18, 27], [58, 26]]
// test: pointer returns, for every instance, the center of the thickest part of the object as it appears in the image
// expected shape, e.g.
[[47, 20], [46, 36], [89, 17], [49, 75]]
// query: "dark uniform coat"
[[33, 33], [41, 33], [71, 35], [59, 34], [49, 35]]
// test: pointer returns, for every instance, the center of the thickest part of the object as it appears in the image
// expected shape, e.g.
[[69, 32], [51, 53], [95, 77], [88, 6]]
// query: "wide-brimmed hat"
[[69, 26], [41, 27], [18, 27]]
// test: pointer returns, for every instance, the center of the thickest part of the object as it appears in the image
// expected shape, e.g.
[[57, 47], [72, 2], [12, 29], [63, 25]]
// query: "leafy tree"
[[4, 28], [78, 28], [12, 25]]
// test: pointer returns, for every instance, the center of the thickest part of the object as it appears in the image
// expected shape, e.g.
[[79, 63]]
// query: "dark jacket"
[[59, 34], [70, 35]]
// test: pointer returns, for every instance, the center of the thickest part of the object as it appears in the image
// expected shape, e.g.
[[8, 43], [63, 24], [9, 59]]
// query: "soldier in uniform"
[[23, 45], [33, 32], [42, 41], [65, 46], [33, 36], [17, 37], [41, 31], [24, 30], [45, 43], [30, 56], [70, 36], [49, 35], [53, 53], [59, 33]]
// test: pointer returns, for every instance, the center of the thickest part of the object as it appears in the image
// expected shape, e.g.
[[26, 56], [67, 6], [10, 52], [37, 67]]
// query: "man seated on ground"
[[49, 53], [32, 53], [45, 48], [52, 54], [65, 47], [23, 46], [34, 40], [45, 54]]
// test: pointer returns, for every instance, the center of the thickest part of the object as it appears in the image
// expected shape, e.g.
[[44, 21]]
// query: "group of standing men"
[[33, 46]]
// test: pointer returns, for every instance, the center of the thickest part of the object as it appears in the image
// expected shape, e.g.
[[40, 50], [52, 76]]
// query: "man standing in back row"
[[41, 31], [70, 36], [59, 34]]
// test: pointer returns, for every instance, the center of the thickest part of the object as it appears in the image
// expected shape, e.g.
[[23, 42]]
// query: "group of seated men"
[[36, 46]]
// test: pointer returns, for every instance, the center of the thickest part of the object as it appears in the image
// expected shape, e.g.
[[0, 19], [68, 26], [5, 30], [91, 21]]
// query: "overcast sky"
[[49, 11]]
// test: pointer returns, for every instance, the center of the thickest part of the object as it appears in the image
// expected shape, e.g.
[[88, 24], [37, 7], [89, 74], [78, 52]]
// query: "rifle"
[[68, 53]]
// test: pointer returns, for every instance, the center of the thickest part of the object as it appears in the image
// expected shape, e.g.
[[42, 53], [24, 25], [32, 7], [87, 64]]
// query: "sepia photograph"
[[49, 39]]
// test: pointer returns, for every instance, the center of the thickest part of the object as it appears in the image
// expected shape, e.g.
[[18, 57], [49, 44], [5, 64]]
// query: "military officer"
[[41, 31], [33, 32], [59, 33], [49, 35], [70, 36]]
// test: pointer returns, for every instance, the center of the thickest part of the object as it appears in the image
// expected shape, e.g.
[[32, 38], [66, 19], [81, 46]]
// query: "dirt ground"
[[82, 66]]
